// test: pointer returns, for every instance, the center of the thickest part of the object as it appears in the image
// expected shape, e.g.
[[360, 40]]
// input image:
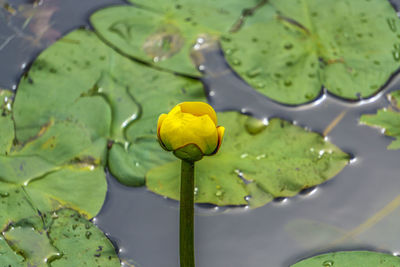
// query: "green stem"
[[186, 230]]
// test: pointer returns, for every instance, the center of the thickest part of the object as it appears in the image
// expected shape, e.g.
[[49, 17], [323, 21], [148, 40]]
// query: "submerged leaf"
[[303, 232], [80, 242], [32, 244], [255, 166], [15, 204], [8, 255], [351, 259], [388, 119], [60, 238]]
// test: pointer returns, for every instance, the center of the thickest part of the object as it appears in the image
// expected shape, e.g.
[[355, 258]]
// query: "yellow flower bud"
[[190, 130]]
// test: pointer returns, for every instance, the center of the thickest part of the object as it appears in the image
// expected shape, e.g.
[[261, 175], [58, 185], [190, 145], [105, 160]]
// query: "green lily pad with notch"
[[255, 164], [77, 79], [387, 119], [351, 259], [60, 238], [349, 47], [163, 33]]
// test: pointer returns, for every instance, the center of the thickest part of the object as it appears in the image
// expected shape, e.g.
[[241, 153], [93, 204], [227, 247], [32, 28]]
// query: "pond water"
[[357, 209]]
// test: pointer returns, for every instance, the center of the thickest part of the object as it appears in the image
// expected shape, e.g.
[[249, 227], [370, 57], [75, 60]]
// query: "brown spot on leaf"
[[164, 43]]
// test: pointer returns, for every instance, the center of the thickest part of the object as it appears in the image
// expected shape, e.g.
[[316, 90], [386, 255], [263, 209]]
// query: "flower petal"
[[220, 131], [199, 109], [180, 129], [177, 109], [160, 121]]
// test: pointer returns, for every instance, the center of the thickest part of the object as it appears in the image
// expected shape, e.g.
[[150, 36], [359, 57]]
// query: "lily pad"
[[349, 47], [60, 238], [51, 90], [61, 165], [388, 119], [164, 33], [256, 163], [29, 183], [288, 50], [351, 259]]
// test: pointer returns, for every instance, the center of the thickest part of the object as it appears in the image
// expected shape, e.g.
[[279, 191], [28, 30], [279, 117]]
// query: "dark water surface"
[[336, 215]]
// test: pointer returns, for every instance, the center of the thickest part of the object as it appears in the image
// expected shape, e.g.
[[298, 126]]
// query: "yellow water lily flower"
[[190, 130]]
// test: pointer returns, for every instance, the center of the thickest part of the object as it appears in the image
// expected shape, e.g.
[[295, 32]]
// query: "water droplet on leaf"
[[253, 72], [288, 46], [4, 194], [254, 126], [236, 62], [225, 38], [88, 234], [287, 83], [260, 85], [309, 96], [327, 263], [219, 194], [122, 29], [396, 55], [229, 51], [392, 24]]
